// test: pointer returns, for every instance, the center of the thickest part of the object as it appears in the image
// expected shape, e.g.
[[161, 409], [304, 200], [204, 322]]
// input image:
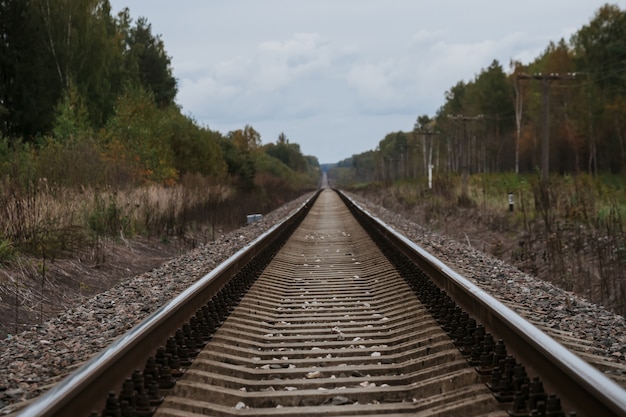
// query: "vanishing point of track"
[[344, 318]]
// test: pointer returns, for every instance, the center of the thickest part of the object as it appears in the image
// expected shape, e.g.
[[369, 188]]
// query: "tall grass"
[[62, 219], [41, 222], [571, 231]]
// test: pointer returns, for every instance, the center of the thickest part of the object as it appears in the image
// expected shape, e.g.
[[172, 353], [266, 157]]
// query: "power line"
[[429, 164]]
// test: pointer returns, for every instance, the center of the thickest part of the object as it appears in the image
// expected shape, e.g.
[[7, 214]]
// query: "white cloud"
[[373, 81], [337, 76], [281, 63], [430, 64], [423, 36], [281, 78]]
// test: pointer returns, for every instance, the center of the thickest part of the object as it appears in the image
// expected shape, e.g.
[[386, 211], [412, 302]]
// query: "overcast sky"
[[337, 75]]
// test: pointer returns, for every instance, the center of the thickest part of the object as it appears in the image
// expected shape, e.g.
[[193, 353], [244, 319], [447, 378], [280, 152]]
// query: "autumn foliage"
[[485, 143], [93, 144]]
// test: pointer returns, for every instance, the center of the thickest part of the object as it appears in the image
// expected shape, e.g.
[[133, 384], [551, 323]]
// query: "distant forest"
[[574, 93]]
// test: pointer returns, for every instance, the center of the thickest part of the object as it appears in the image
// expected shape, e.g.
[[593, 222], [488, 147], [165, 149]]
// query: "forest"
[[93, 144], [530, 159], [573, 94]]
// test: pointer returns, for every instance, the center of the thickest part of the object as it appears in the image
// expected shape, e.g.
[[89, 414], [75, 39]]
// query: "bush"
[[7, 253], [106, 218], [138, 134], [72, 163]]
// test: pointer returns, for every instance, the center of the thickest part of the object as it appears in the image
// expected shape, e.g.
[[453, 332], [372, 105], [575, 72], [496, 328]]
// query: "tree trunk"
[[518, 123], [620, 137]]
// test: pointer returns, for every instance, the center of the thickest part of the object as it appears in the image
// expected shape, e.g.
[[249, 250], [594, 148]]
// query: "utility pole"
[[465, 150], [428, 165], [409, 164], [545, 143], [519, 102]]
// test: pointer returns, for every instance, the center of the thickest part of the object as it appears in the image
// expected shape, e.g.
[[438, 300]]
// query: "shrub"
[[7, 253]]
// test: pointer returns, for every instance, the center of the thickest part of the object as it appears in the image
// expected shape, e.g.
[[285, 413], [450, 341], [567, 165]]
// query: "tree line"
[[88, 98], [573, 95], [93, 145]]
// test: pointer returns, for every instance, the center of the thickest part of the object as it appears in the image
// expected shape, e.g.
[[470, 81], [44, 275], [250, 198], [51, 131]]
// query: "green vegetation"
[[495, 122], [93, 145], [576, 242], [486, 141], [94, 149], [6, 251]]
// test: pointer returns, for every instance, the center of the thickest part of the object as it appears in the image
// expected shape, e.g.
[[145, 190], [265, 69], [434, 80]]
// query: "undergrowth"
[[570, 231]]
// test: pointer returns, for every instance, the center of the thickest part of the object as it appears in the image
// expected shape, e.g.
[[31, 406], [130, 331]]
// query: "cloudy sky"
[[337, 75]]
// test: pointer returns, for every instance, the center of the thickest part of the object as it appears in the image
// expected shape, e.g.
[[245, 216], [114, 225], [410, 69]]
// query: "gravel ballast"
[[32, 361]]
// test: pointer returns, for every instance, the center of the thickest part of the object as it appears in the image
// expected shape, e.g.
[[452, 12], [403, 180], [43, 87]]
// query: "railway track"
[[344, 317]]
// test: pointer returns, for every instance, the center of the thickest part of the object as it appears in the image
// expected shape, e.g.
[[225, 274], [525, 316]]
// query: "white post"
[[430, 176]]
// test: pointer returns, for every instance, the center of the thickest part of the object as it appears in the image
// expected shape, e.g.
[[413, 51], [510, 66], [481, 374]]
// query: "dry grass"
[[577, 241], [46, 220], [43, 227]]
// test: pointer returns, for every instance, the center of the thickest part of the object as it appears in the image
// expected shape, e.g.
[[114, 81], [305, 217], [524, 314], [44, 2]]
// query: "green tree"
[[600, 53], [195, 149], [600, 50], [139, 133], [423, 138], [392, 151], [147, 58], [491, 95], [288, 153], [29, 86], [451, 132], [50, 47], [72, 120], [365, 166], [240, 163], [84, 49]]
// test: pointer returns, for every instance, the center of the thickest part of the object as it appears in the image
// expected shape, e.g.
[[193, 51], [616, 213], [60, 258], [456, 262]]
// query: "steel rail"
[[580, 386], [86, 389]]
